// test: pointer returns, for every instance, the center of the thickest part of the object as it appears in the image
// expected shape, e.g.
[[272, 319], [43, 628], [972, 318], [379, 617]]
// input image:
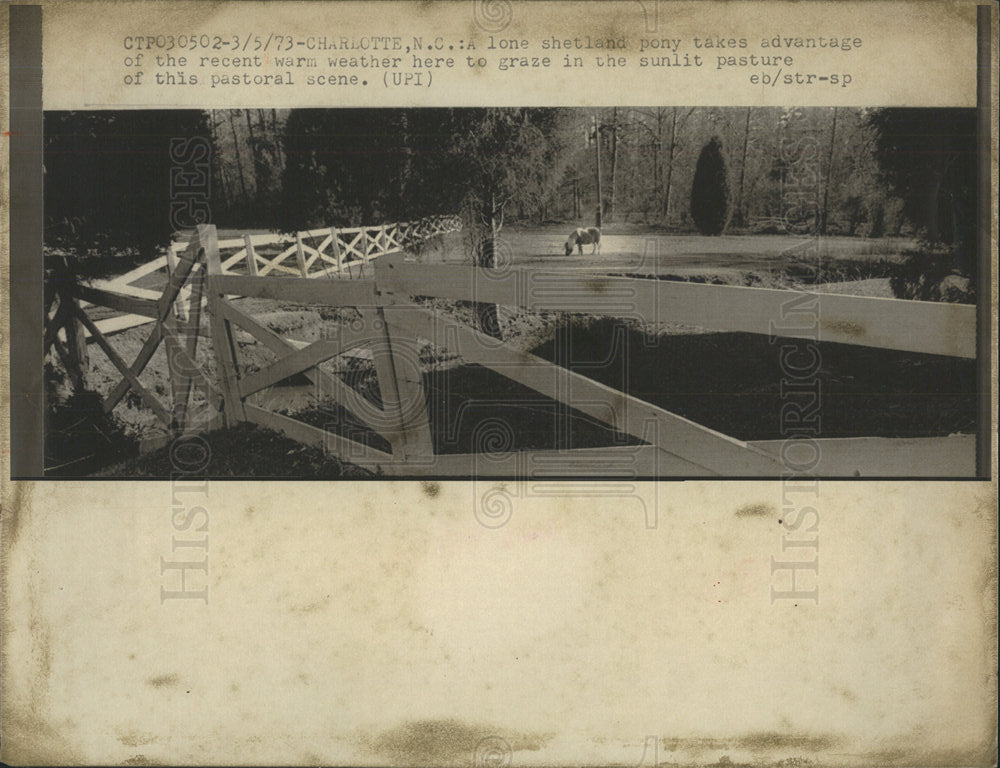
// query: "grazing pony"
[[582, 237]]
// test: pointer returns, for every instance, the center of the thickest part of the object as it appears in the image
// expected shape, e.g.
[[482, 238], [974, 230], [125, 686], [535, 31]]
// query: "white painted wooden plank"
[[400, 381], [267, 239], [145, 269], [638, 461], [342, 447], [716, 452], [132, 378], [289, 365], [361, 408], [350, 293], [129, 290], [123, 303], [235, 258], [275, 262], [873, 457], [915, 326], [110, 325]]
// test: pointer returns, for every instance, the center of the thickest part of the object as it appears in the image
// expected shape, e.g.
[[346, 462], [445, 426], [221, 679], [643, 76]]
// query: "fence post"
[[300, 255], [181, 377], [222, 332], [364, 250], [397, 363], [251, 256], [396, 359], [168, 329], [171, 259], [335, 246], [172, 263], [76, 347], [77, 360]]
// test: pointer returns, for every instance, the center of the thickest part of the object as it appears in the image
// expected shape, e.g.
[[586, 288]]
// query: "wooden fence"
[[394, 328], [179, 336], [345, 252]]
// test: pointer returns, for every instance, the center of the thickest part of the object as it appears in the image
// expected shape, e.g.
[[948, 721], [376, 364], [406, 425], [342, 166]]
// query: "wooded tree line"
[[835, 171]]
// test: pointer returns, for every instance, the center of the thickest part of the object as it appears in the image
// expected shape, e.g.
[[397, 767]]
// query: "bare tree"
[[597, 150], [671, 151], [239, 159], [829, 173], [743, 172], [613, 130]]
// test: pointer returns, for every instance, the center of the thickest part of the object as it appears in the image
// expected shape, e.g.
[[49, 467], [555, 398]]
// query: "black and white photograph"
[[499, 384], [645, 292]]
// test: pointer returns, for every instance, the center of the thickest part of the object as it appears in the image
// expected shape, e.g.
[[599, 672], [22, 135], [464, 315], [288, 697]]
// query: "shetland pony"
[[582, 237]]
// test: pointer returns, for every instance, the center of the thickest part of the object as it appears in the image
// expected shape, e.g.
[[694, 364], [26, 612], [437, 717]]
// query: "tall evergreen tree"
[[709, 190]]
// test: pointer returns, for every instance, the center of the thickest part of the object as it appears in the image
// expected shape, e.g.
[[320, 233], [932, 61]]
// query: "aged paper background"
[[380, 623], [923, 57]]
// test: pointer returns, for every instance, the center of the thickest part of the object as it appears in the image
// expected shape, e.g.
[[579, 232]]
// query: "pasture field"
[[787, 260]]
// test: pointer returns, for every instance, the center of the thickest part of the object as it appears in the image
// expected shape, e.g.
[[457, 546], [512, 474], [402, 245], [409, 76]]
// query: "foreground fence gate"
[[393, 328]]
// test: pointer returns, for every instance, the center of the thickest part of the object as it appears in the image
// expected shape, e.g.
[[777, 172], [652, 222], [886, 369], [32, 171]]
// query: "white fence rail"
[[336, 252]]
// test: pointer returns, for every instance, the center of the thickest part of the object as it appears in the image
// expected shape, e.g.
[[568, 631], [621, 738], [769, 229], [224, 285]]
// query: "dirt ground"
[[729, 382]]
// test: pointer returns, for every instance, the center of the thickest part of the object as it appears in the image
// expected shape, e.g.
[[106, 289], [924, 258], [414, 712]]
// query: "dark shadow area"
[[732, 382], [338, 420], [80, 437], [244, 451], [474, 410]]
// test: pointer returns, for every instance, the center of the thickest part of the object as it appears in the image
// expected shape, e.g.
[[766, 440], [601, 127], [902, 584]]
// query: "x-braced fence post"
[[74, 353], [222, 332], [400, 380]]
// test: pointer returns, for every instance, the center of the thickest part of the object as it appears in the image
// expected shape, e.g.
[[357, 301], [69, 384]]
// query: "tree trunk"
[[597, 150], [489, 319], [217, 167], [271, 141], [614, 161], [406, 171], [260, 174], [252, 143], [670, 167], [227, 189], [278, 149], [743, 172], [239, 160], [829, 171], [657, 147]]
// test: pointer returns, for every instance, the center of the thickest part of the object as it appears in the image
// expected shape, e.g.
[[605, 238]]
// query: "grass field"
[[777, 259]]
